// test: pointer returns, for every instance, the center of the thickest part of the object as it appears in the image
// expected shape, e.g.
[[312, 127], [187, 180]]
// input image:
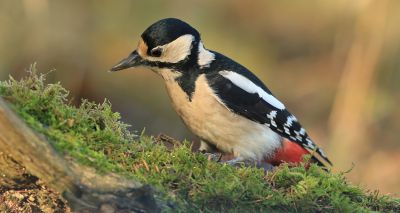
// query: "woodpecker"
[[219, 100]]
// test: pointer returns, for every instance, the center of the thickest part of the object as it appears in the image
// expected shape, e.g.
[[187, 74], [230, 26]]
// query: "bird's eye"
[[156, 52]]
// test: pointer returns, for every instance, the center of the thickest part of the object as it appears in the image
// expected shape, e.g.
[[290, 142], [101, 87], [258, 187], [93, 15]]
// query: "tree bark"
[[82, 187]]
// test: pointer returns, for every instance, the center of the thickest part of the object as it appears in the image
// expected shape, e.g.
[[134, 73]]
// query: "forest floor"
[[22, 192]]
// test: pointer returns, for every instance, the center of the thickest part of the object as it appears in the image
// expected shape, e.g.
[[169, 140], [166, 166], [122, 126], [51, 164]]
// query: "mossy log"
[[82, 187]]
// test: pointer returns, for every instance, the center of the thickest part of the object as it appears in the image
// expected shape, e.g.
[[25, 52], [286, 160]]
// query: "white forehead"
[[175, 51]]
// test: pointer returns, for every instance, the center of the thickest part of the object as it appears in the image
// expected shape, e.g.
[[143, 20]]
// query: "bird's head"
[[167, 42]]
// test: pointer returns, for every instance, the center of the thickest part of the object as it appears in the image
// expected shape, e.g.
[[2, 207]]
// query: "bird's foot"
[[213, 156], [236, 161], [239, 161], [266, 166]]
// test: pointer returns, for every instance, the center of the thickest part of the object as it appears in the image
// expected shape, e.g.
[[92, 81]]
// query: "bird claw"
[[266, 166], [239, 162], [213, 156]]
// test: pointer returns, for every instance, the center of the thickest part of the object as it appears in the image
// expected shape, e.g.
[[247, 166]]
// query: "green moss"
[[95, 136]]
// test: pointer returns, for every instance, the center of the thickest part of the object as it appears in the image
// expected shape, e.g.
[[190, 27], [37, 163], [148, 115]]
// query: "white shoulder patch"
[[205, 56], [248, 86]]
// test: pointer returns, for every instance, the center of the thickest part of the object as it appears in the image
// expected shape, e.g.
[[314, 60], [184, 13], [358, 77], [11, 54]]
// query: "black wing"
[[255, 108]]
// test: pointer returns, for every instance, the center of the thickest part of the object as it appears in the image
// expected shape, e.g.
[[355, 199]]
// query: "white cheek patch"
[[205, 56], [175, 51], [250, 87]]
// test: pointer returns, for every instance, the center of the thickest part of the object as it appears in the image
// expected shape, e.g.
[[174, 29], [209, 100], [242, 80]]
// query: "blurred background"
[[335, 64]]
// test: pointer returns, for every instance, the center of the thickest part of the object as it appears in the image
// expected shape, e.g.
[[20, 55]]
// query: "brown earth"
[[22, 192]]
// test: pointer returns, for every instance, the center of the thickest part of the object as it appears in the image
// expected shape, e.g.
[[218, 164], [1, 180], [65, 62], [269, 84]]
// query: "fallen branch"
[[85, 190]]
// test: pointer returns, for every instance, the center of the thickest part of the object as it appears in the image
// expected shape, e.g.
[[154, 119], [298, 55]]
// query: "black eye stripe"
[[156, 52]]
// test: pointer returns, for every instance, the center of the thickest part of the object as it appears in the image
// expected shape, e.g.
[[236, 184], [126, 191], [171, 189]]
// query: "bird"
[[222, 102]]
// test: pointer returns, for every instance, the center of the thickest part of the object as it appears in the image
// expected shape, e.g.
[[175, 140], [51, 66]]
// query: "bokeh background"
[[335, 64]]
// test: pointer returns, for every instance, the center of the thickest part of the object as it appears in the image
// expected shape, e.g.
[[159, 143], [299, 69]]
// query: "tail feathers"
[[320, 160], [292, 152]]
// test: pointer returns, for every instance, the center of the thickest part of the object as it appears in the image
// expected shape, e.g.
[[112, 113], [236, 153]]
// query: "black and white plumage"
[[221, 101]]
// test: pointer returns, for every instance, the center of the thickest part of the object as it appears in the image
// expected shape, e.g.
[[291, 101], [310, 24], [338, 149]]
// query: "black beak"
[[133, 60]]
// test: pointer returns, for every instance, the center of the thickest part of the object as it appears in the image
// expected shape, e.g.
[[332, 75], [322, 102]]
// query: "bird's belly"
[[209, 119]]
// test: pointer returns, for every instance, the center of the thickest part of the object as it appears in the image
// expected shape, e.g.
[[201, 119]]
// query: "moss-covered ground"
[[94, 135]]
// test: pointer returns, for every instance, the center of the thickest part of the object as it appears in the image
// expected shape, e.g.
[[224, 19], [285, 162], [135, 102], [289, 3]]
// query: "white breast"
[[209, 119]]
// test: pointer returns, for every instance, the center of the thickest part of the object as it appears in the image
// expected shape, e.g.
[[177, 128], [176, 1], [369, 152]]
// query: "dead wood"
[[82, 187]]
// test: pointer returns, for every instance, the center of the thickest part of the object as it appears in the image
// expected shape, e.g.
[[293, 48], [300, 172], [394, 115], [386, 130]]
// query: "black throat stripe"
[[188, 68]]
